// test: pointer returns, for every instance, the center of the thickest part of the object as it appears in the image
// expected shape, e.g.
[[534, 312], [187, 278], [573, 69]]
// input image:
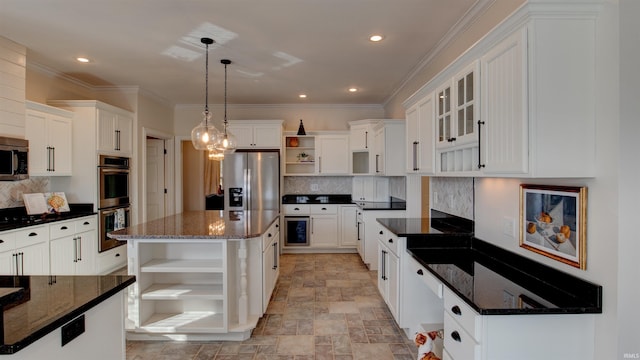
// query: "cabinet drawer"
[[457, 342], [7, 241], [389, 239], [271, 234], [86, 224], [323, 209], [425, 276], [463, 314], [62, 228], [111, 260], [296, 209], [32, 235]]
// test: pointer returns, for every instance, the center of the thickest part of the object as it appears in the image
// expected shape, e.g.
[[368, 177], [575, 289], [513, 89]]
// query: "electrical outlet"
[[315, 187], [508, 226], [451, 201], [435, 197]]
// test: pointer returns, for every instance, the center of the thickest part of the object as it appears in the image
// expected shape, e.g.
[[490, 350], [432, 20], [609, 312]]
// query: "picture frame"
[[553, 222]]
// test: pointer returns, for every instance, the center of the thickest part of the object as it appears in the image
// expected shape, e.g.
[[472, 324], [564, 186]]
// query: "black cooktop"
[[17, 217]]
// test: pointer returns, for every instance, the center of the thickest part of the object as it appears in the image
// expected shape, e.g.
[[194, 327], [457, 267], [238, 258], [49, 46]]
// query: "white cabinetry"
[[321, 154], [270, 262], [369, 232], [389, 270], [420, 138], [369, 188], [49, 131], [257, 134], [331, 150], [361, 140], [534, 104], [389, 147], [324, 225], [348, 226], [73, 246], [25, 252], [457, 115], [115, 132]]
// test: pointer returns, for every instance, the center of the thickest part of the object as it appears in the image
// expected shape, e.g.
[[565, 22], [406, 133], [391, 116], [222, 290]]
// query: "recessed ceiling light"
[[82, 59], [302, 96], [376, 38], [352, 89]]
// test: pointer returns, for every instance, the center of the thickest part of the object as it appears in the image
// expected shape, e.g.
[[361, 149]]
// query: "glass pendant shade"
[[205, 136], [227, 142]]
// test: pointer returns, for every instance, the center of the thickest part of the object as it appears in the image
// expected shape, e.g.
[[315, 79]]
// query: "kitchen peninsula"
[[202, 275]]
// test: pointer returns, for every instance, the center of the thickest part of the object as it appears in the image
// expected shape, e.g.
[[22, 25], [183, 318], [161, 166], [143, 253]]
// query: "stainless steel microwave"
[[14, 159]]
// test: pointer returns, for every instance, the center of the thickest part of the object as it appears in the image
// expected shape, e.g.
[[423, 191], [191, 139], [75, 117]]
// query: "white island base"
[[195, 289]]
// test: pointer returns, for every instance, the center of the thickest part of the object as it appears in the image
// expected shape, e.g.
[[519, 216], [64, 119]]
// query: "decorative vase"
[[301, 129], [293, 142]]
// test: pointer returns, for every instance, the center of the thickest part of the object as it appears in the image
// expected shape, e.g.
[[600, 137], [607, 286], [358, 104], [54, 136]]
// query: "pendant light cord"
[[206, 85], [225, 62]]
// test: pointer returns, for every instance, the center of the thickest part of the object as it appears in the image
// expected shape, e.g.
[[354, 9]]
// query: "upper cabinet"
[[373, 139], [257, 134], [420, 138], [114, 132], [519, 103], [49, 131], [320, 154]]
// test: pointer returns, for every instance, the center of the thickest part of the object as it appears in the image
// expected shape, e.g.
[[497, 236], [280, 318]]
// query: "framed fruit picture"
[[553, 222]]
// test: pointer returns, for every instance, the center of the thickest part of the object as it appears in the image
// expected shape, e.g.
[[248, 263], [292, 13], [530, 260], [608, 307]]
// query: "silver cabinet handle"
[[75, 249]]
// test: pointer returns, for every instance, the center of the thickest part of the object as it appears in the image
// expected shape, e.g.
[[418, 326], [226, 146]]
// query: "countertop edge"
[[8, 349]]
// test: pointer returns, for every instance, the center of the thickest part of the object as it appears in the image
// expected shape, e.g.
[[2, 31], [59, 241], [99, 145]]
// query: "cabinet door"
[[332, 153], [106, 124], [324, 231], [267, 136], [35, 259], [267, 275], [393, 280], [360, 137], [504, 147], [243, 134], [59, 132], [348, 226], [425, 146], [34, 131], [443, 115], [7, 263], [378, 151], [86, 264], [411, 130], [63, 255], [467, 85], [383, 255], [363, 189], [124, 134]]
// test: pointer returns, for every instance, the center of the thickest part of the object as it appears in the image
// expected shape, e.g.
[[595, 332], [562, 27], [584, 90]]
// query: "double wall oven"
[[114, 208]]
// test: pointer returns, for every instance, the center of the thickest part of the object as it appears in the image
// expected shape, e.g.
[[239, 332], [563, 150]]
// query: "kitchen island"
[[62, 317], [202, 275]]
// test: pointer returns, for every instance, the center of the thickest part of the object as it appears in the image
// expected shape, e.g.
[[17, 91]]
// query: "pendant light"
[[227, 142], [205, 135]]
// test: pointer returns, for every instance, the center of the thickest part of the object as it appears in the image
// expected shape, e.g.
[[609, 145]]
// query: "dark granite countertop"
[[48, 302], [316, 199], [392, 204], [206, 224], [16, 218], [437, 223], [495, 281]]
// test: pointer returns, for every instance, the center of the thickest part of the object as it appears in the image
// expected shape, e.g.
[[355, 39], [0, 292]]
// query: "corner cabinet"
[[49, 131], [257, 134]]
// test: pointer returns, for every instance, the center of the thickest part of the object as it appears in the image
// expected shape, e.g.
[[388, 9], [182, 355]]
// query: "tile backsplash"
[[338, 185], [453, 196], [11, 191]]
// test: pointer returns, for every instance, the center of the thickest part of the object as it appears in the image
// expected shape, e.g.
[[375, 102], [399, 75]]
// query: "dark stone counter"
[[16, 218], [48, 302]]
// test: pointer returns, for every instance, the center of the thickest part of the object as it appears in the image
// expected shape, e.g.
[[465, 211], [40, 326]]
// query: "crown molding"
[[284, 106]]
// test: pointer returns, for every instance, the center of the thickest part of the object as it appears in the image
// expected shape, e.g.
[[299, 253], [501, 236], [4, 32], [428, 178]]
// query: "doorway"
[[157, 180]]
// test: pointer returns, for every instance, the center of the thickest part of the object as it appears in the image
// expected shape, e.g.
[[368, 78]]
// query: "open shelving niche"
[[292, 164]]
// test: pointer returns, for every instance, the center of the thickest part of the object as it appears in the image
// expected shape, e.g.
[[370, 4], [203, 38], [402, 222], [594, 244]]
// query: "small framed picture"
[[553, 222], [525, 302]]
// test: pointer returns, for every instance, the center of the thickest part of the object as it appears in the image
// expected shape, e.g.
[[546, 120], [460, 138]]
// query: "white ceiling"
[[278, 48]]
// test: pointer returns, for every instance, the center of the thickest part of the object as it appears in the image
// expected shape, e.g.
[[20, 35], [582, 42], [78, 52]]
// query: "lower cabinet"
[[73, 246], [389, 277], [270, 263], [369, 232], [348, 226], [25, 252]]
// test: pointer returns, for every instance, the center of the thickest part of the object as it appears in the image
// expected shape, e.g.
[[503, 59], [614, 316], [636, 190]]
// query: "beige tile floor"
[[325, 306]]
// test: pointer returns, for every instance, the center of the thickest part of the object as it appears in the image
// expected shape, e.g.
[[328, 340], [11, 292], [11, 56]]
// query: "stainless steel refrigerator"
[[251, 180]]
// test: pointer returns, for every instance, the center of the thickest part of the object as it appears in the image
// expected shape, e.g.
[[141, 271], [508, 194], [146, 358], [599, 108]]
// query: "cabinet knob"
[[277, 225], [117, 254], [381, 232], [64, 228], [419, 272], [456, 336], [269, 235], [33, 234], [390, 241], [1, 241], [456, 310], [324, 208], [296, 208], [86, 223]]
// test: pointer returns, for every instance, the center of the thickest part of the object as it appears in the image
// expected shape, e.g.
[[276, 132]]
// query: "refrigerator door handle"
[[247, 187]]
